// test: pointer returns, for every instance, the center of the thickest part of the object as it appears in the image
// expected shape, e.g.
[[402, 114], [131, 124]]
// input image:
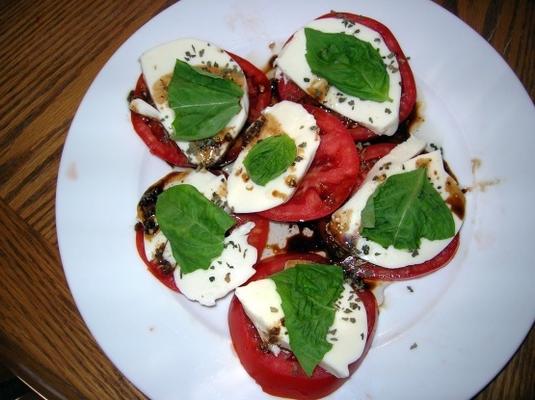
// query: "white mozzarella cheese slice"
[[285, 117], [158, 65], [263, 306], [348, 333], [227, 271], [142, 107], [380, 117], [403, 158]]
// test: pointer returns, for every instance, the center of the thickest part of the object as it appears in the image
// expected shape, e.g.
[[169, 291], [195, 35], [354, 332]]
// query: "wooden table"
[[51, 51]]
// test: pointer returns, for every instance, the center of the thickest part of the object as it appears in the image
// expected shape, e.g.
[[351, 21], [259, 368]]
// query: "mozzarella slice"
[[345, 222], [142, 107], [158, 65], [380, 117], [232, 268], [348, 334], [285, 117], [228, 271]]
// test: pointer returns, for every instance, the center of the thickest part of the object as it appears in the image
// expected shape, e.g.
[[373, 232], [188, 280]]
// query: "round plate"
[[459, 325]]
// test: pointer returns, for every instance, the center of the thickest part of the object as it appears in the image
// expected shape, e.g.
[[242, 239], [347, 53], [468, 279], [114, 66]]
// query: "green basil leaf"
[[405, 209], [194, 226], [348, 63], [203, 103], [308, 293], [269, 158]]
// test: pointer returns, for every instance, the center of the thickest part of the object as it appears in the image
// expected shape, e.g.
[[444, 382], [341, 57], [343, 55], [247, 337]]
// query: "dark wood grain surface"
[[50, 52]]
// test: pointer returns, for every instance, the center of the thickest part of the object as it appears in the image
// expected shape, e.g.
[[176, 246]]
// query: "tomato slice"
[[282, 375], [164, 276], [258, 87], [331, 177], [374, 272], [376, 151], [153, 133], [257, 237], [288, 90], [259, 234], [156, 137]]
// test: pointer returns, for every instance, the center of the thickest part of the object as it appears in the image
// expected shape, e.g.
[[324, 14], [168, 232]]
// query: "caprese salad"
[[320, 143]]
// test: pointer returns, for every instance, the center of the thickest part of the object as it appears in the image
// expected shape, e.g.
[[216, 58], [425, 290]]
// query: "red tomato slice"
[[153, 134], [282, 375], [257, 238], [331, 177], [361, 133], [290, 91], [156, 137], [258, 87], [166, 277], [259, 235], [369, 156], [376, 151], [374, 272]]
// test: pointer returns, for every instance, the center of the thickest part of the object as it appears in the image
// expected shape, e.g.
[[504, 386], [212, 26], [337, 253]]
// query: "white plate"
[[467, 319]]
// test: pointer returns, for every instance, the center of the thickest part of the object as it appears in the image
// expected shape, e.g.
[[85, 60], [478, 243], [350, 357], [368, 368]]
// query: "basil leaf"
[[348, 63], [269, 158], [194, 226], [203, 103], [308, 293], [406, 208]]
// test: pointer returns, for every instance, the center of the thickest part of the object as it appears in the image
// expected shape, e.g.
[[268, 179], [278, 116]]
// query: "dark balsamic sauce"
[[314, 237], [307, 240]]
